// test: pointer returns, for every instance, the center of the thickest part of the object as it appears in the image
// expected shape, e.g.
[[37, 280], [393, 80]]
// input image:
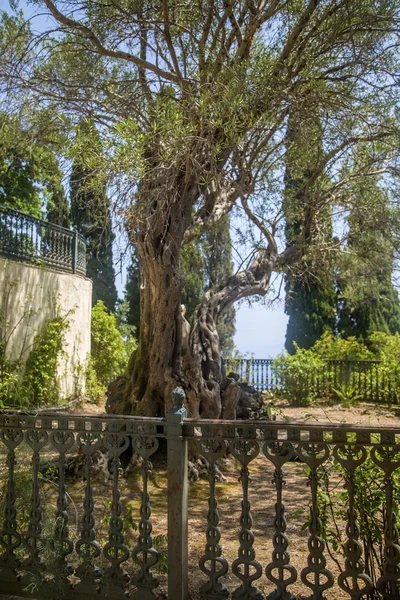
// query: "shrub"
[[369, 500], [330, 347], [109, 351], [297, 375], [40, 379], [387, 350], [34, 383]]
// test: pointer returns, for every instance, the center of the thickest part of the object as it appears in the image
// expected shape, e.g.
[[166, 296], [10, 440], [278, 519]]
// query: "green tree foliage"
[[218, 264], [193, 267], [39, 385], [132, 294], [57, 209], [310, 291], [91, 216], [30, 175], [368, 300], [109, 351], [192, 101]]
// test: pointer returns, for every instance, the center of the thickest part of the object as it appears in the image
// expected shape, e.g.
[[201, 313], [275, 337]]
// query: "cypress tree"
[[91, 216], [310, 292], [218, 266], [57, 208], [367, 298], [132, 294]]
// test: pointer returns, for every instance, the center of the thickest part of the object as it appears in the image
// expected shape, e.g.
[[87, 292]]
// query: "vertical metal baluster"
[[245, 452], [10, 538], [62, 544], [144, 555], [115, 551], [258, 379], [387, 458], [314, 455], [279, 454], [350, 457], [87, 547], [34, 240], [212, 450], [34, 564], [371, 385]]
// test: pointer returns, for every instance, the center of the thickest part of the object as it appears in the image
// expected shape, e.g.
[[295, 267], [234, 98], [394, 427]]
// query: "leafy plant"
[[332, 347], [40, 379], [34, 381], [346, 396], [297, 375], [370, 507], [110, 352]]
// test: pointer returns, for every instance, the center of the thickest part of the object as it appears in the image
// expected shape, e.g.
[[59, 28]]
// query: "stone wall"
[[30, 296]]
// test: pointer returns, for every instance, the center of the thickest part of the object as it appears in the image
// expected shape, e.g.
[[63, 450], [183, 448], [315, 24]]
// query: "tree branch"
[[102, 50]]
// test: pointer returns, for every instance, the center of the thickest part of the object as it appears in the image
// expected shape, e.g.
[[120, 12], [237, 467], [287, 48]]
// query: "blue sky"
[[260, 330]]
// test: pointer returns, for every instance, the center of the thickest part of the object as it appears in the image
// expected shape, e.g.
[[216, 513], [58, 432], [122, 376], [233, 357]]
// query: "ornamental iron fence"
[[366, 378], [81, 548], [26, 238]]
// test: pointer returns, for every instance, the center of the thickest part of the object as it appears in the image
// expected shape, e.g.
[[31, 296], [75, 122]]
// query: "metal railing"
[[26, 238], [81, 548], [364, 377]]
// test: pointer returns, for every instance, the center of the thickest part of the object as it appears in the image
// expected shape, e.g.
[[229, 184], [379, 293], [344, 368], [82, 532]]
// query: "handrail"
[[27, 238]]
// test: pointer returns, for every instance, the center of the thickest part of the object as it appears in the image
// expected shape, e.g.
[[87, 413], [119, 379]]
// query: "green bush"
[[297, 374], [369, 499], [34, 383], [40, 380], [110, 352], [309, 375], [330, 347], [387, 350]]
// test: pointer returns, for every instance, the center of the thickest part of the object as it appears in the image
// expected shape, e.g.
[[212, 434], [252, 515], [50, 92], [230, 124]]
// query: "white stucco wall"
[[30, 296]]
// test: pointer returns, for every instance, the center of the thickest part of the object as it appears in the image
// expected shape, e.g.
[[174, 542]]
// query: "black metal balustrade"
[[58, 560], [26, 238], [363, 377]]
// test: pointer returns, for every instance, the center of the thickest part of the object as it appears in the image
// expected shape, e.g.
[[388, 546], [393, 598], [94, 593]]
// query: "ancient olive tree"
[[192, 101]]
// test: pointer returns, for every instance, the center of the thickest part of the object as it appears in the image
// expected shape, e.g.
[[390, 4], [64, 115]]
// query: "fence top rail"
[[27, 238], [329, 360], [41, 222], [50, 420], [55, 421], [294, 432]]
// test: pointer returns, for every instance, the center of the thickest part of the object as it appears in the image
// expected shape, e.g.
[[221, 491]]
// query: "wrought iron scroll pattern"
[[87, 547], [115, 551], [245, 567], [279, 454], [62, 544], [212, 563], [144, 555], [10, 538], [315, 455], [307, 443], [353, 580], [34, 564], [387, 458]]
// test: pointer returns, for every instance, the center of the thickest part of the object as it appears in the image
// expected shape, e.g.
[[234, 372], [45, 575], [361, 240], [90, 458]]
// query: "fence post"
[[177, 462], [75, 252], [347, 374]]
